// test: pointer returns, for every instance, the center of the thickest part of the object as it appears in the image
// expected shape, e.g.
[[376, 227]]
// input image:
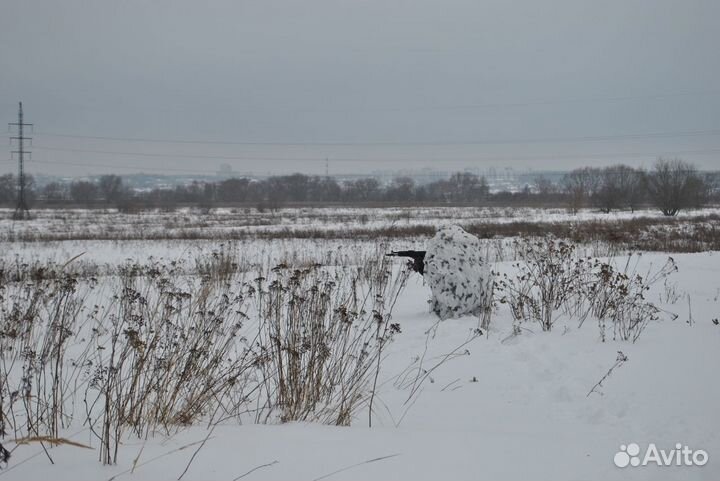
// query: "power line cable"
[[371, 159], [530, 103], [123, 166], [597, 138], [492, 105]]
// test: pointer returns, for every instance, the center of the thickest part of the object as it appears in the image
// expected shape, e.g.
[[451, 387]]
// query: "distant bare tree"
[[363, 190], [618, 186], [8, 188], [700, 190], [55, 192], [401, 189], [209, 194], [674, 185], [544, 186], [111, 188], [632, 185], [579, 185], [326, 189], [712, 181], [295, 186], [233, 190], [467, 187], [83, 192], [607, 194], [30, 191], [460, 187]]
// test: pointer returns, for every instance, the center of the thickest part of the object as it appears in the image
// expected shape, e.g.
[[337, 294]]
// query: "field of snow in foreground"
[[511, 407]]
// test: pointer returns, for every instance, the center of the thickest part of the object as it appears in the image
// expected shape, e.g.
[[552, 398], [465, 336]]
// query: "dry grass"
[[152, 349], [677, 234], [322, 334], [551, 280], [51, 441]]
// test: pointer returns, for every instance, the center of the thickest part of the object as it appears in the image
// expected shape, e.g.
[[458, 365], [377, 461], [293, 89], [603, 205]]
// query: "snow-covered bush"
[[544, 282], [618, 295], [458, 275], [551, 281]]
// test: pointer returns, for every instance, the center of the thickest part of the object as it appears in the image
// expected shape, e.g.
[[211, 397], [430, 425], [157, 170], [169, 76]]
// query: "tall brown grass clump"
[[322, 336], [153, 348]]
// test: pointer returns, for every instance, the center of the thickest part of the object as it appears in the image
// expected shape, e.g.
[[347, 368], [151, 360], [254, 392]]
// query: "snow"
[[501, 406], [221, 223], [511, 407]]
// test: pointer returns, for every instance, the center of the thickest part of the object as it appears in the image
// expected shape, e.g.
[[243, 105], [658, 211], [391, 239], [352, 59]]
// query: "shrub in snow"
[[458, 276], [551, 280], [545, 281], [618, 295], [321, 337]]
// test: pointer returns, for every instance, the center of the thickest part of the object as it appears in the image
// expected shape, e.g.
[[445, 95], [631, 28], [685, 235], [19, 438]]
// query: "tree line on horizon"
[[670, 186]]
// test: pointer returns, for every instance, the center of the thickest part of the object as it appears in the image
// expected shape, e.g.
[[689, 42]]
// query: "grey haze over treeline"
[[270, 86]]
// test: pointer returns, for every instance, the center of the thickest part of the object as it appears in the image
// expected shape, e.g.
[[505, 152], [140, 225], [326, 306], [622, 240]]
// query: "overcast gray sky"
[[278, 86]]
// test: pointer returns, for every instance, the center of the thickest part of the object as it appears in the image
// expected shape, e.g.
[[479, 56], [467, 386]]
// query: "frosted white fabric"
[[458, 276]]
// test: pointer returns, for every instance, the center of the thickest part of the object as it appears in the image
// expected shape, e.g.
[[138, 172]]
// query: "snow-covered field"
[[237, 223], [502, 406]]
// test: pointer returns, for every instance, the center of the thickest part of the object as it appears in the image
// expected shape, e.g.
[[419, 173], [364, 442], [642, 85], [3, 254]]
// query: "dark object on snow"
[[418, 258], [4, 455]]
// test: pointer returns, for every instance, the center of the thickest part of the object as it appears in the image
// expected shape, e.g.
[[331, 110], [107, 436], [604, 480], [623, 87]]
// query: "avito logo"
[[629, 455]]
